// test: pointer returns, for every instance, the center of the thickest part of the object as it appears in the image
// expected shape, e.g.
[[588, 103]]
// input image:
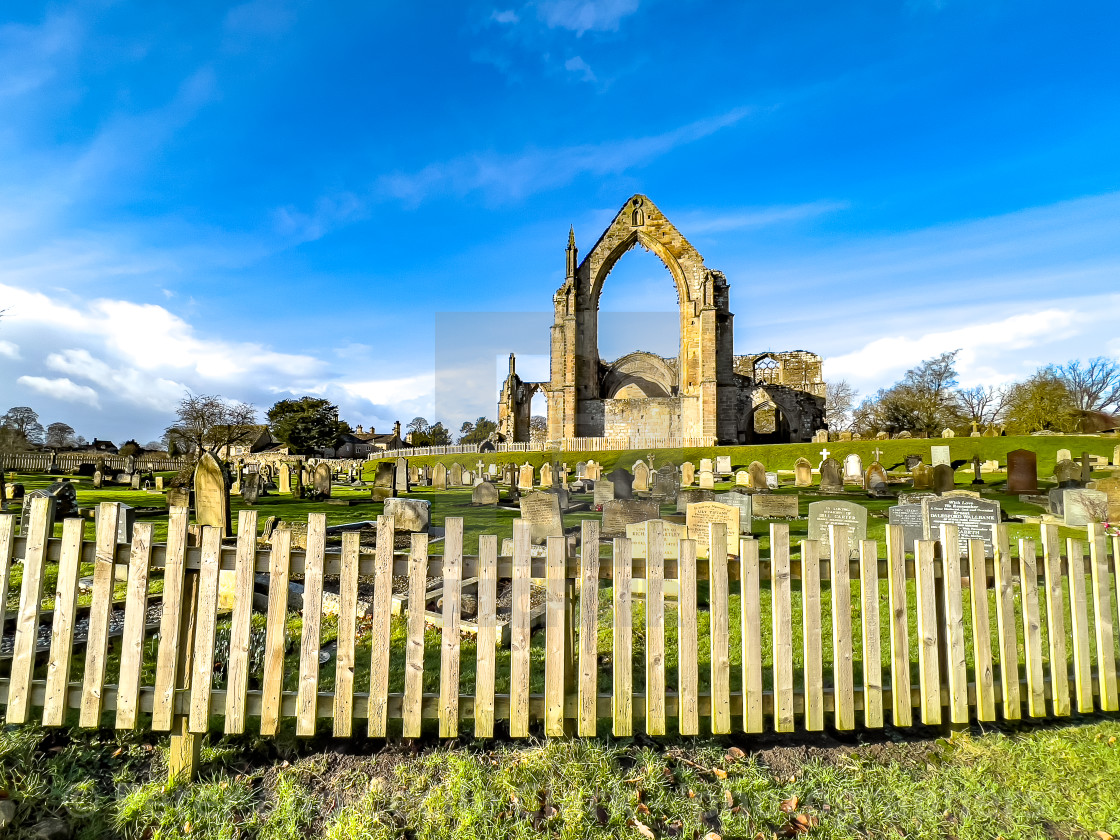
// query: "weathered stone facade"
[[706, 393]]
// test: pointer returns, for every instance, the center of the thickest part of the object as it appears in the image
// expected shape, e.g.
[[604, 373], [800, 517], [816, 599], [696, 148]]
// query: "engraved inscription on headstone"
[[743, 501], [542, 512], [673, 533], [700, 515], [940, 455], [848, 514], [618, 513], [976, 519], [910, 518]]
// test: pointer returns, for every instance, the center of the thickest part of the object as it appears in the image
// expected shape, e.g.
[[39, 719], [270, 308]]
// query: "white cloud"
[[65, 390], [701, 223], [8, 349], [505, 16], [577, 65], [581, 16], [30, 56]]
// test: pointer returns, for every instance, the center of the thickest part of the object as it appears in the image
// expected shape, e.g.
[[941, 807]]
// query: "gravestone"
[[912, 522], [693, 495], [1063, 455], [211, 493], [773, 506], [542, 512], [1067, 473], [875, 481], [455, 475], [757, 474], [284, 479], [707, 480], [974, 517], [772, 481], [922, 476], [1111, 488], [843, 436], [322, 481], [672, 533], [581, 469], [1081, 506], [883, 436], [943, 478], [618, 513], [666, 483], [623, 483], [802, 473], [742, 478], [1086, 468], [439, 477], [485, 493], [604, 492], [688, 474], [948, 433], [409, 515], [97, 479], [912, 461], [251, 488], [1022, 471], [1116, 456], [125, 523], [384, 481], [134, 482], [159, 482], [492, 470], [744, 502], [723, 464], [401, 479], [831, 482], [848, 514], [940, 455], [701, 514], [525, 477], [853, 469], [706, 464], [594, 470], [641, 477], [561, 493], [178, 497], [546, 475]]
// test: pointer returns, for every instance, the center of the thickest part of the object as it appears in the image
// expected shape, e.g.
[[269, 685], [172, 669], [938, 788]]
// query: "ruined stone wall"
[[656, 417], [797, 369]]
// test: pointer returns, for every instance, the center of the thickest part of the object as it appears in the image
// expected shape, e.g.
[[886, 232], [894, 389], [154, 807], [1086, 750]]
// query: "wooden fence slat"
[[167, 655], [781, 610], [1102, 613], [1032, 629], [27, 618], [588, 627], [1055, 618], [1079, 623], [956, 664], [1005, 627], [622, 647], [981, 632], [414, 644], [751, 620], [519, 633], [901, 708], [449, 642], [487, 634], [343, 718], [555, 632], [7, 548], [379, 628], [310, 640], [811, 631], [655, 628], [275, 636], [135, 619], [240, 628], [688, 665], [929, 679], [843, 676], [872, 655], [62, 627], [202, 663], [101, 608], [719, 594]]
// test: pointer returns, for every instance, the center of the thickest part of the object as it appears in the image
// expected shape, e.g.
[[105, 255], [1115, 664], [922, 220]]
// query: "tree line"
[[1076, 396]]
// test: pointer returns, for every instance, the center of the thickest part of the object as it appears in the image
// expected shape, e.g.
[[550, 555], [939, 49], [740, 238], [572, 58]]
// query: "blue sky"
[[281, 197]]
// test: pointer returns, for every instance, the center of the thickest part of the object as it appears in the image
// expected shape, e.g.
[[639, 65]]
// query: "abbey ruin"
[[705, 395]]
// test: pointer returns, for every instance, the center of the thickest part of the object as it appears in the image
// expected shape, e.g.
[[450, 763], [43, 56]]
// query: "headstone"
[[1086, 468], [455, 475], [831, 482], [1067, 473], [820, 436], [744, 502], [485, 493], [604, 492], [939, 455], [1081, 506], [948, 433], [97, 479], [1022, 471], [546, 475], [848, 514], [666, 483], [688, 474], [623, 483], [774, 506], [723, 464], [439, 477], [853, 468], [844, 436], [251, 488], [178, 497], [125, 523], [943, 478], [409, 515], [802, 473], [542, 512], [707, 480], [134, 482], [672, 533], [525, 477], [641, 477], [922, 477], [692, 495], [742, 478], [883, 436], [1063, 455], [701, 514], [384, 481], [912, 461], [321, 480], [581, 469], [772, 481], [594, 470], [561, 493], [618, 513], [875, 481], [1116, 456], [976, 518], [757, 474], [492, 470], [1111, 488], [211, 493], [706, 464], [910, 518]]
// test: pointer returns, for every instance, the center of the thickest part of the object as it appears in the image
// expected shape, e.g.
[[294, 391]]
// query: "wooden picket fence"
[[1059, 610]]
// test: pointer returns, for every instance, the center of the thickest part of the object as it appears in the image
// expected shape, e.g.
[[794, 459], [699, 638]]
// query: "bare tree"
[[208, 422], [984, 405], [60, 435], [1094, 387], [839, 400]]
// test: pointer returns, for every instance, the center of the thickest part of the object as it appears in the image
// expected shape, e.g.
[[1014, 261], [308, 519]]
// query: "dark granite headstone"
[[974, 517], [943, 478], [623, 483], [1022, 471], [910, 518]]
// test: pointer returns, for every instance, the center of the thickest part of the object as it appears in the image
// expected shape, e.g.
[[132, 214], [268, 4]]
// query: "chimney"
[[397, 428], [358, 431]]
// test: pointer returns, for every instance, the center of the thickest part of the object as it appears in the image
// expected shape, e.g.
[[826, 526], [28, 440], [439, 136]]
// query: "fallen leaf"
[[711, 835], [788, 806], [118, 751], [728, 798], [735, 754], [642, 808], [691, 793], [719, 774], [1103, 835], [644, 830]]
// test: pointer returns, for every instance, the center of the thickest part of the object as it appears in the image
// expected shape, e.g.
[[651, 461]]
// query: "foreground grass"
[[1044, 782]]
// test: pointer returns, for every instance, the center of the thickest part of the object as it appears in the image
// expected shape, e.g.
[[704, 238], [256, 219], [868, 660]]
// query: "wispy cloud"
[[505, 16], [701, 223], [9, 350], [513, 177], [30, 56], [581, 16], [577, 65], [64, 390]]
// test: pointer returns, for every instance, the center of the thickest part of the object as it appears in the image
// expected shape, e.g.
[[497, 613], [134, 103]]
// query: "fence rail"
[[41, 461], [574, 444], [858, 660]]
